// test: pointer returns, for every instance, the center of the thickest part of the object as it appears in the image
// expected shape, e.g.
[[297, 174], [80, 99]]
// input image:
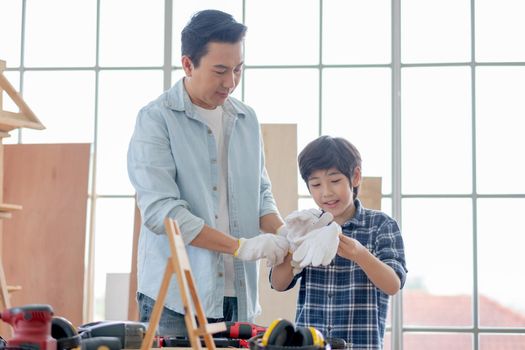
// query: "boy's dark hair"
[[209, 26], [328, 152]]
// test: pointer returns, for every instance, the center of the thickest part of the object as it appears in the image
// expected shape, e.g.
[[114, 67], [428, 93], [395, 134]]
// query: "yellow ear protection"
[[282, 334]]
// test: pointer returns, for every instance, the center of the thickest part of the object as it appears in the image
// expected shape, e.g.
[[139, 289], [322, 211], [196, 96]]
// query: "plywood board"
[[370, 192], [280, 148], [133, 313], [43, 244]]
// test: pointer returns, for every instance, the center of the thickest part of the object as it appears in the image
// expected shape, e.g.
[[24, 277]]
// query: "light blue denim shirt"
[[172, 163]]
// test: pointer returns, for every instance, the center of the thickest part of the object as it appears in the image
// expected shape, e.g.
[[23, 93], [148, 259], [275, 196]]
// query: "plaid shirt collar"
[[359, 219]]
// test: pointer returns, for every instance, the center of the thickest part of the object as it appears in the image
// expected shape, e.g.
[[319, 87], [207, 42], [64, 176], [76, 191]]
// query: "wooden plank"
[[12, 120], [280, 148], [370, 192], [44, 245], [133, 313], [31, 118], [9, 207]]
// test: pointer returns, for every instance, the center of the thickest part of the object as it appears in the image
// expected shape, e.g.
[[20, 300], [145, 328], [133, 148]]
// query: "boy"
[[348, 297]]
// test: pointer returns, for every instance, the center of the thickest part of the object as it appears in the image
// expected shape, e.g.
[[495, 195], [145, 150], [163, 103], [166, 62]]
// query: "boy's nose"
[[327, 192]]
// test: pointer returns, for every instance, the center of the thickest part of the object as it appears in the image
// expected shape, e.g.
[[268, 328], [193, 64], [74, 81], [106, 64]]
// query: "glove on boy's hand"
[[299, 223], [318, 247], [269, 246]]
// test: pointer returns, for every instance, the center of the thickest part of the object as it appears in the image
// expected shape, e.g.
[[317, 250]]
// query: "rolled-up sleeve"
[[390, 249]]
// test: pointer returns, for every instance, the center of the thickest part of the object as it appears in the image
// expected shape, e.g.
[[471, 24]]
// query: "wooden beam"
[[9, 207], [32, 120]]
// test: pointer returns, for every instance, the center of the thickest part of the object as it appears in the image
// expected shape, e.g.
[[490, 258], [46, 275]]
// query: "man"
[[196, 156]]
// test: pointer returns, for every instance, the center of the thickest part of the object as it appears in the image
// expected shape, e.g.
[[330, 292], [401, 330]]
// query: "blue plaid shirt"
[[339, 299]]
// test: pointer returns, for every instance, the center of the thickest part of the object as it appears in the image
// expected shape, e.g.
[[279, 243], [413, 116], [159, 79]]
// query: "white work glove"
[[299, 223], [318, 247], [296, 269], [271, 247]]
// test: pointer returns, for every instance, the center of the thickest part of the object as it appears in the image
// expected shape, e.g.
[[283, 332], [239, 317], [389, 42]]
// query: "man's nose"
[[229, 80]]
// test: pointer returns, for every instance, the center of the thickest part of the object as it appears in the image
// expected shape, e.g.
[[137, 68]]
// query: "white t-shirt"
[[214, 118]]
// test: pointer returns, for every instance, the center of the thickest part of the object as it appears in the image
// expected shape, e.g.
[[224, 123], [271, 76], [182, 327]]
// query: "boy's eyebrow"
[[333, 172]]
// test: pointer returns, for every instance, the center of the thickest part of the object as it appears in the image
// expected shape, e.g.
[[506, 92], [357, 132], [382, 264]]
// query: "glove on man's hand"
[[318, 247], [269, 246], [299, 223]]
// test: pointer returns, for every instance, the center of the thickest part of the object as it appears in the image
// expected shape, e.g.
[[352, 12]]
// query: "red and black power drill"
[[31, 327], [241, 330]]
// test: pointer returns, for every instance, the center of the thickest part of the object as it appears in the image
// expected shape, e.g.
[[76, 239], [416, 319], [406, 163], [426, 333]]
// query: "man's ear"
[[187, 65], [356, 180]]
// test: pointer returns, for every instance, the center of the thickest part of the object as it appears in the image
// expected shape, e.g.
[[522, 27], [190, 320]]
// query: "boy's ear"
[[356, 180]]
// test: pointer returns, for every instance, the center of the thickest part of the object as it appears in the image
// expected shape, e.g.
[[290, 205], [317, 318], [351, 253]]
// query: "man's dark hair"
[[209, 26], [328, 152]]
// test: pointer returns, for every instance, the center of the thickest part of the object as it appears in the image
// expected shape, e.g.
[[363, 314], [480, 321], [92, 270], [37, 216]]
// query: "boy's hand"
[[271, 247], [318, 247], [349, 248], [299, 223]]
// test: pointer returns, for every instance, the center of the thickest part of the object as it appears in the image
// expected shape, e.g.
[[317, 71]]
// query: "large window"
[[431, 92]]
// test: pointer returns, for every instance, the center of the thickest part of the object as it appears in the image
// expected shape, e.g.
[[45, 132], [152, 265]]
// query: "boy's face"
[[332, 192], [217, 75]]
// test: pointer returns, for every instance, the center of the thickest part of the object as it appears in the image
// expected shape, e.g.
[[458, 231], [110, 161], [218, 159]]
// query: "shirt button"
[[216, 216], [221, 274], [330, 295], [209, 131], [215, 188]]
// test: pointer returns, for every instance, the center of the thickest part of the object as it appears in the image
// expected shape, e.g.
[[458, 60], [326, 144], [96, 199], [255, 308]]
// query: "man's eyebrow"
[[221, 66]]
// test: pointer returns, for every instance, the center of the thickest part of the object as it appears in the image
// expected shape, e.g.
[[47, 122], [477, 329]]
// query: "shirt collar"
[[179, 100], [359, 218]]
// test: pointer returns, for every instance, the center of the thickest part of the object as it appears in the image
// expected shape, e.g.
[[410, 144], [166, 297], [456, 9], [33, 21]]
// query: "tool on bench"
[[176, 342], [240, 330], [31, 327], [129, 333]]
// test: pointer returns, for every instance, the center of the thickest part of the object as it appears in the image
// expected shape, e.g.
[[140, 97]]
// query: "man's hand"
[[299, 223], [318, 247], [271, 247]]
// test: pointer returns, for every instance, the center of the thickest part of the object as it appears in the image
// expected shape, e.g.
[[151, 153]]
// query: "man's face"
[[332, 192], [217, 75]]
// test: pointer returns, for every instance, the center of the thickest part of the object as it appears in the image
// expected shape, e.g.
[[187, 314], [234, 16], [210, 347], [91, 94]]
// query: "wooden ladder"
[[179, 264]]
